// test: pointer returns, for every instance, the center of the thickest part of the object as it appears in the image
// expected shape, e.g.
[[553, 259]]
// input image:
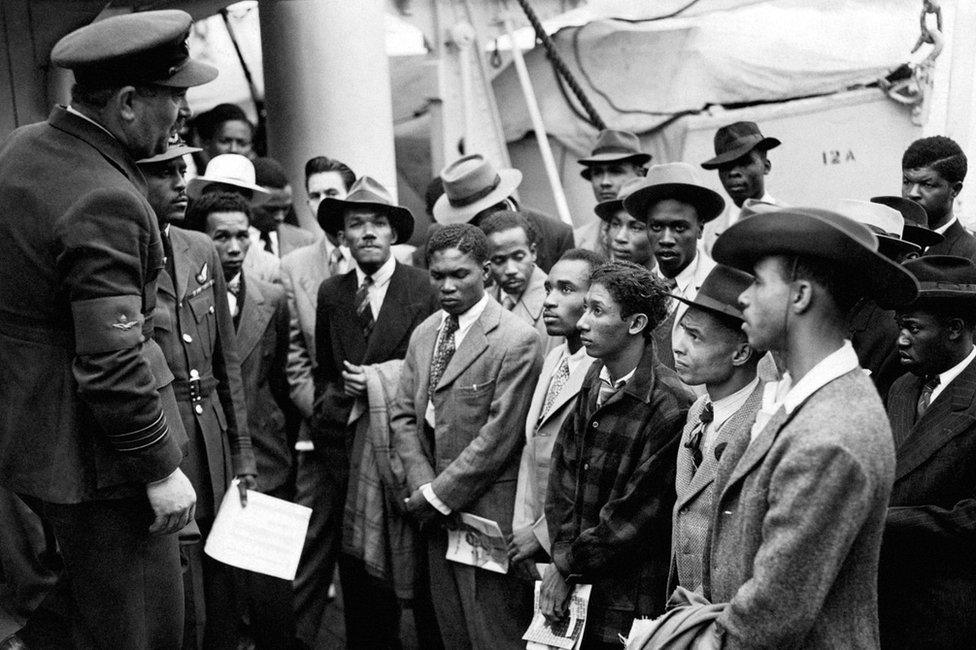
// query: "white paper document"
[[479, 542], [566, 634], [265, 537]]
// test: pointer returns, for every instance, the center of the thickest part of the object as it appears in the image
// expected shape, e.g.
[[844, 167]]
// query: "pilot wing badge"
[[202, 275], [124, 323]]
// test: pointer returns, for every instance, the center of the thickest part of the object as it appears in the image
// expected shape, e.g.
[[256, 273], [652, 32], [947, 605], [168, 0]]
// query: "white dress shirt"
[[255, 236], [381, 282], [465, 321], [945, 378], [941, 230], [231, 298]]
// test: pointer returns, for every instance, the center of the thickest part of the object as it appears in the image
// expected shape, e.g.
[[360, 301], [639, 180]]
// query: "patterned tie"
[[233, 293], [925, 397], [555, 387], [363, 309], [335, 261], [443, 352], [607, 390], [508, 302], [694, 443]]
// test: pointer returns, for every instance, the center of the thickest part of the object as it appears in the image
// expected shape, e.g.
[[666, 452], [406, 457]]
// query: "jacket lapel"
[[685, 467], [394, 320], [474, 344], [570, 390], [901, 410], [758, 448], [181, 261], [947, 417], [549, 367], [351, 332], [254, 319], [534, 295]]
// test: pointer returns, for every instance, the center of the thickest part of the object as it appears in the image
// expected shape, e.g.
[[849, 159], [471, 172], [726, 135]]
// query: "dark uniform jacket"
[[195, 330], [611, 492], [80, 378], [262, 344], [339, 337], [927, 577], [957, 241]]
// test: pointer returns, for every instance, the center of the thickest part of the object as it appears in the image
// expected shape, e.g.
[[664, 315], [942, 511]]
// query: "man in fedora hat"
[[626, 237], [611, 482], [933, 170], [710, 349], [916, 227], [927, 580], [271, 229], [615, 160], [364, 317], [91, 436], [458, 426], [872, 329], [473, 189], [800, 502], [675, 206], [743, 164]]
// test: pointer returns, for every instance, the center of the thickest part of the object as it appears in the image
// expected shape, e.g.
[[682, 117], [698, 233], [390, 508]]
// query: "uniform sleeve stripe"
[[148, 443], [140, 438]]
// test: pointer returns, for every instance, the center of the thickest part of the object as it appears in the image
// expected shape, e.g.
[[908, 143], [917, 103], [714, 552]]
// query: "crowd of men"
[[751, 423]]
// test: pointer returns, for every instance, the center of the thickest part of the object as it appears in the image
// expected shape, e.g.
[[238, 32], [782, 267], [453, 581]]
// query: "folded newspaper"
[[479, 542], [567, 634]]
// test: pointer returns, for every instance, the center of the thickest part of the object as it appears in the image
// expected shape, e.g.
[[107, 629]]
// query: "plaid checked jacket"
[[611, 490], [927, 575]]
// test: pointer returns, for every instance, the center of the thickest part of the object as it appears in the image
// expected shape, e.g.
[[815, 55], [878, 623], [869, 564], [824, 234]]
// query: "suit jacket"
[[409, 300], [874, 335], [291, 238], [693, 507], [83, 387], [611, 490], [529, 307], [262, 344], [193, 326], [480, 401], [260, 264], [533, 476], [555, 238], [302, 271], [664, 332], [796, 528], [958, 241], [927, 579]]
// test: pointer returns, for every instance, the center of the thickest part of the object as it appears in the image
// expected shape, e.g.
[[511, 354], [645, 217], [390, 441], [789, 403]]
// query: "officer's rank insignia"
[[124, 323], [202, 275]]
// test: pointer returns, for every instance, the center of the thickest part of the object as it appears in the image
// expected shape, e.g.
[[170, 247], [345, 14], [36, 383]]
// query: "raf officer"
[[193, 327], [90, 435]]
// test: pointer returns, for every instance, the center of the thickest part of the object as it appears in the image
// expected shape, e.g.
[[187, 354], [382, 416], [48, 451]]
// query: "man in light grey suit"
[[801, 501], [710, 349], [457, 426], [553, 400]]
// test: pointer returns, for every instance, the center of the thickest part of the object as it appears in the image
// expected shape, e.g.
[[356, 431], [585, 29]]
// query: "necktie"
[[168, 252], [508, 302], [443, 352], [607, 390], [555, 387], [266, 238], [363, 308], [335, 261], [694, 444], [925, 397], [233, 292]]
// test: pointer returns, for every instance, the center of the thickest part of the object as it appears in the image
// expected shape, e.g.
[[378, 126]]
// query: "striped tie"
[[363, 308]]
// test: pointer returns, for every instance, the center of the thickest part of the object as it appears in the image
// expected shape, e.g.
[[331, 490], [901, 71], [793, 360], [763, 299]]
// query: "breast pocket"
[[473, 402], [204, 314]]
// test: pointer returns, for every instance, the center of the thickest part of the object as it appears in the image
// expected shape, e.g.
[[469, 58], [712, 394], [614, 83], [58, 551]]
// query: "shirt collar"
[[74, 111], [727, 406], [382, 275], [942, 229], [946, 377], [234, 281], [834, 365], [605, 377], [468, 318]]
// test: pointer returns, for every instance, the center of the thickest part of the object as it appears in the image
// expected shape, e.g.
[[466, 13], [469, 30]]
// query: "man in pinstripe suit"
[[710, 348], [927, 576]]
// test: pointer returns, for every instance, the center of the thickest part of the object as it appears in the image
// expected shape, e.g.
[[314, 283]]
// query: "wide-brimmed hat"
[[916, 220], [472, 184], [366, 192], [228, 169], [885, 222], [175, 148], [720, 291], [614, 146], [677, 181], [606, 209], [736, 140], [845, 244], [944, 279], [147, 47]]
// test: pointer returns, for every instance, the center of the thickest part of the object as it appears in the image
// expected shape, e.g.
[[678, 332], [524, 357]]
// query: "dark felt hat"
[[606, 209], [720, 291], [736, 140], [944, 279], [614, 146], [366, 192], [176, 148], [916, 220], [676, 181], [847, 245], [146, 47]]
